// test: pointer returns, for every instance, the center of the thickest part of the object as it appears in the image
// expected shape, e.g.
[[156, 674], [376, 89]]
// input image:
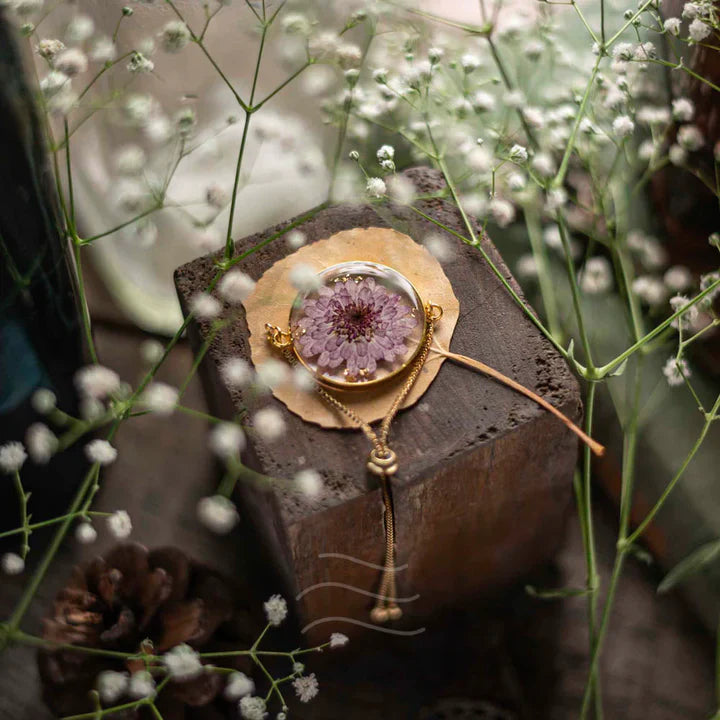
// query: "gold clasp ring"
[[433, 312], [278, 337]]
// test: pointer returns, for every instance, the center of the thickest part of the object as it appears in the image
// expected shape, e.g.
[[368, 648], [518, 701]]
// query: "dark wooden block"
[[485, 474]]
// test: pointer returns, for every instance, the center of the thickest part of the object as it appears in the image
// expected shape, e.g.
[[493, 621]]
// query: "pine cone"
[[131, 595]]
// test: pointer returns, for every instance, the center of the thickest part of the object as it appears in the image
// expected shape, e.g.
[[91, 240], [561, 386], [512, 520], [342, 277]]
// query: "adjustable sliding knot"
[[382, 461]]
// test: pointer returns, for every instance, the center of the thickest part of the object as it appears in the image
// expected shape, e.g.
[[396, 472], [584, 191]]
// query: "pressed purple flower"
[[355, 323]]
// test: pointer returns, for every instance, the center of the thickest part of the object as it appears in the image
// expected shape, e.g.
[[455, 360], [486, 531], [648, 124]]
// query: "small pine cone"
[[123, 600]]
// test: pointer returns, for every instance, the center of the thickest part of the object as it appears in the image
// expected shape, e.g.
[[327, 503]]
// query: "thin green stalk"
[[613, 364], [565, 162], [38, 576], [145, 213], [52, 521], [711, 416], [595, 657], [84, 309], [575, 291], [199, 42], [22, 499], [547, 289], [229, 242], [593, 580]]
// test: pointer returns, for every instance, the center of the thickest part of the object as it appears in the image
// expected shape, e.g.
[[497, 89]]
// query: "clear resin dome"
[[364, 323]]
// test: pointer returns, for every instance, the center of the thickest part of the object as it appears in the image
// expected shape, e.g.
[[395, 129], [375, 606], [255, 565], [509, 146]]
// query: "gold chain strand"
[[382, 460]]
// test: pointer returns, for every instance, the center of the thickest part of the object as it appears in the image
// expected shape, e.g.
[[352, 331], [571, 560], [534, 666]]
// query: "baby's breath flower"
[[216, 197], [227, 440], [103, 50], [140, 64], [276, 610], [688, 318], [48, 48], [306, 687], [650, 289], [236, 286], [543, 165], [142, 685], [596, 276], [375, 187], [309, 483], [119, 525], [677, 155], [41, 443], [160, 398], [503, 212], [675, 371], [435, 55], [271, 373], [514, 98], [238, 685], [690, 138], [130, 160], [647, 150], [72, 61], [534, 117], [302, 379], [678, 278], [295, 239], [386, 152], [205, 306], [182, 663], [469, 63], [304, 277], [100, 451], [401, 189], [527, 266], [296, 24], [43, 401], [138, 108], [692, 10], [269, 424], [518, 153], [111, 686], [698, 30], [683, 109], [672, 25], [707, 281], [438, 247], [323, 45], [483, 101], [517, 181], [96, 381], [174, 36], [218, 513], [12, 457], [185, 120], [623, 126], [79, 29], [236, 372], [54, 83], [338, 640], [85, 533], [12, 564], [252, 708], [151, 351]]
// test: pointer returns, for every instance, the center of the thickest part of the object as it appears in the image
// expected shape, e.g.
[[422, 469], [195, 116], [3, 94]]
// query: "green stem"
[[84, 309], [229, 242], [565, 162], [145, 213], [711, 416], [22, 499], [575, 291], [609, 367], [52, 521]]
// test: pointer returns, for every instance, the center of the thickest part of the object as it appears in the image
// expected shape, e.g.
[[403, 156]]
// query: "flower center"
[[353, 321]]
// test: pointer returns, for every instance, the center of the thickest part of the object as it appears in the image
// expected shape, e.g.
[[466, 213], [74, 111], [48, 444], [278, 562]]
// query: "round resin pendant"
[[363, 324]]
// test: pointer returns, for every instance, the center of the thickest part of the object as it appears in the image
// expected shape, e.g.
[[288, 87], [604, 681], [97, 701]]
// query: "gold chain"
[[382, 460]]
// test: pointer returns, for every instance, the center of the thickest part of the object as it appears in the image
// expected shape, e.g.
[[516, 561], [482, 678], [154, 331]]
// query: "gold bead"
[[379, 615], [394, 612]]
